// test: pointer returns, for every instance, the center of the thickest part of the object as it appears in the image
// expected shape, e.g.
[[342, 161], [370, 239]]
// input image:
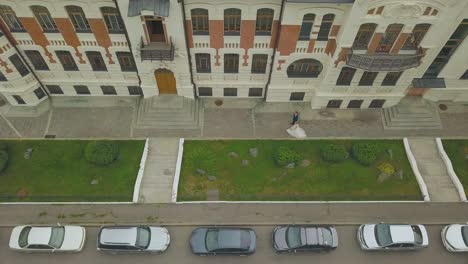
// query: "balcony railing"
[[384, 61], [157, 51]]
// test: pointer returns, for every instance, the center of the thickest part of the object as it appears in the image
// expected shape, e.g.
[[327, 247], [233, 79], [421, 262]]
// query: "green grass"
[[262, 180], [57, 171], [457, 150]]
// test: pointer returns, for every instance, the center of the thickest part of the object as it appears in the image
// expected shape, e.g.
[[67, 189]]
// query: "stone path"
[[156, 186], [433, 170]]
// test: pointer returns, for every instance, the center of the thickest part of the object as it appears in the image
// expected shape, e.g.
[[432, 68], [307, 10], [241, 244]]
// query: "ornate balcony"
[[157, 51], [384, 61]]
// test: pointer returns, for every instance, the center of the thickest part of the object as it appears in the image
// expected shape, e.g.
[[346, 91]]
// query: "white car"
[[392, 237], [48, 238], [133, 239], [455, 238]]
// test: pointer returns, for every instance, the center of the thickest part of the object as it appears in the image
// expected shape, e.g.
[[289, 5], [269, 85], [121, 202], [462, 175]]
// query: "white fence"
[[175, 185], [414, 166], [141, 171]]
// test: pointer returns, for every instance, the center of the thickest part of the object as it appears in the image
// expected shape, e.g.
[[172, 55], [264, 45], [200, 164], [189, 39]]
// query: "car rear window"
[[211, 240], [382, 234], [245, 240], [327, 237], [56, 237], [293, 237], [23, 237], [143, 237]]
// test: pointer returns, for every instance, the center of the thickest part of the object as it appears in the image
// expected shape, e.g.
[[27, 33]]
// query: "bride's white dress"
[[296, 131]]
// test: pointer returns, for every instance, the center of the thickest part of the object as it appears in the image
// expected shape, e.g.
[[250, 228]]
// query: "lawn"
[[457, 150], [262, 179], [58, 171]]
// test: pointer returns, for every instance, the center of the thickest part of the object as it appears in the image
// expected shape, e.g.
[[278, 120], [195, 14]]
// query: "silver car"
[[133, 239], [304, 238], [392, 237]]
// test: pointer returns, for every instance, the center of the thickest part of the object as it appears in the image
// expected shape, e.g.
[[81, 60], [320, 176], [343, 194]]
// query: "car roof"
[[118, 235], [229, 238], [402, 233], [39, 235], [312, 236]]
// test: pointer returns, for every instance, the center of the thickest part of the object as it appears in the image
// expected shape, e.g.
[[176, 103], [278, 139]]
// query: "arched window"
[[232, 21], [200, 24], [44, 18], [264, 21], [305, 68], [113, 20], [306, 27], [364, 35], [78, 19], [391, 34], [325, 27], [413, 41], [9, 16]]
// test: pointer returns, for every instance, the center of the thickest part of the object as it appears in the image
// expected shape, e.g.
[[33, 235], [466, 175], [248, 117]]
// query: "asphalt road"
[[179, 252]]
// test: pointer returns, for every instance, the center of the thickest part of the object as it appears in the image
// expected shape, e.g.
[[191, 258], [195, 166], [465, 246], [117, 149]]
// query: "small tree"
[[334, 152], [284, 156], [364, 153], [102, 152]]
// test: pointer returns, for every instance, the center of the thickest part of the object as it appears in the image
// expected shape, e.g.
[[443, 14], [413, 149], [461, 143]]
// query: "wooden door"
[[166, 81], [155, 30]]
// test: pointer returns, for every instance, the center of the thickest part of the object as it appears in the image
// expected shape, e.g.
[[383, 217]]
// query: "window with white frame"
[[44, 18], [78, 19], [113, 20]]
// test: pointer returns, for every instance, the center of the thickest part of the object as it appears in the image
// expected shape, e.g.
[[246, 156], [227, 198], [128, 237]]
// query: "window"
[[391, 34], [231, 63], [355, 103], [113, 20], [127, 64], [203, 62], [2, 77], [334, 103], [463, 77], [364, 35], [230, 91], [391, 78], [78, 19], [54, 89], [108, 90], [413, 41], [232, 21], [10, 18], [135, 90], [325, 27], [377, 103], [19, 65], [304, 68], [259, 63], [297, 96], [200, 24], [205, 91], [367, 78], [255, 92], [346, 76], [264, 21], [44, 19], [57, 236], [36, 60], [18, 99], [39, 93], [306, 27], [97, 63], [81, 89], [67, 60]]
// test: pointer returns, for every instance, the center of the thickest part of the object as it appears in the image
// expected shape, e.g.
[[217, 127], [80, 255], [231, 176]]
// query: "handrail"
[[157, 53], [384, 61]]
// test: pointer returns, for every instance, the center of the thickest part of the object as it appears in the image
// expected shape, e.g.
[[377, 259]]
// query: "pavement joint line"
[[11, 126], [49, 120]]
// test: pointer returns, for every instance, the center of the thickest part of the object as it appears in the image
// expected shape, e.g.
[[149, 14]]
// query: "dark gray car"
[[223, 240], [304, 238]]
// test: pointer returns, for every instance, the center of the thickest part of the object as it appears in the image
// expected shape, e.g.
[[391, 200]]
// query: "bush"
[[386, 168], [3, 160], [102, 152], [284, 156], [364, 153], [334, 153]]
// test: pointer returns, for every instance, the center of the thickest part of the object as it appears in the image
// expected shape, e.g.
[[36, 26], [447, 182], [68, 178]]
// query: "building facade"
[[331, 53]]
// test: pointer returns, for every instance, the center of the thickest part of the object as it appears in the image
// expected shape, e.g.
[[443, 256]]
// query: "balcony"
[[384, 61], [157, 51]]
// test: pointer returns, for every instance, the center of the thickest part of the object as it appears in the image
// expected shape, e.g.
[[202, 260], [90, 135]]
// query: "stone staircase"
[[166, 112], [412, 112]]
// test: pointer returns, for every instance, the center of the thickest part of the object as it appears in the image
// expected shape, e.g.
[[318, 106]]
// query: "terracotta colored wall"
[[217, 37], [35, 31], [416, 91], [69, 35], [288, 39], [399, 43], [99, 29], [374, 43], [188, 25], [334, 30], [310, 48], [331, 47], [247, 38], [342, 56], [274, 32]]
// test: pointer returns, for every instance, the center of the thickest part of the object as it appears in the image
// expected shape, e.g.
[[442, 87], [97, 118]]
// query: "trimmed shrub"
[[334, 152], [3, 160], [284, 156], [102, 152], [386, 168], [364, 153]]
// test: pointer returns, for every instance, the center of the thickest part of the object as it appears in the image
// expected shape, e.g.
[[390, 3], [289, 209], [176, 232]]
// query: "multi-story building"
[[331, 53]]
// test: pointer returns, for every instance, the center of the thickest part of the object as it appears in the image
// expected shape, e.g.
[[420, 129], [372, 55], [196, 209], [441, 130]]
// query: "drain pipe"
[[184, 17], [274, 48]]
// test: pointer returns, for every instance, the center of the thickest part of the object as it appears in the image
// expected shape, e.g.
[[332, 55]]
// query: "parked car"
[[304, 238], [392, 237], [223, 240], [133, 239], [48, 238], [455, 238]]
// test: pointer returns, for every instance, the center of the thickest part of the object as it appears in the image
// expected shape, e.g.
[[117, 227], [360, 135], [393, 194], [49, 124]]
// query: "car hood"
[[74, 238], [14, 238], [279, 238], [368, 236], [160, 239], [197, 241], [453, 236]]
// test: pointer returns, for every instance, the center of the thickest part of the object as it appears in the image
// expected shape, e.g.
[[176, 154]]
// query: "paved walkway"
[[433, 170], [156, 186]]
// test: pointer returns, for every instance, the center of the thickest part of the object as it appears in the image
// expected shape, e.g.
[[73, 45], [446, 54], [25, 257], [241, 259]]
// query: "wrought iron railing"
[[384, 61], [157, 51]]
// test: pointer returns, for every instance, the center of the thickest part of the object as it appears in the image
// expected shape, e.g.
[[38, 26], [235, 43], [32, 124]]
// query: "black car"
[[304, 238], [223, 240]]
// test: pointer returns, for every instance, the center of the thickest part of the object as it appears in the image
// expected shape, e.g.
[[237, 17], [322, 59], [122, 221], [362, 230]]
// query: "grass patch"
[[457, 150], [58, 171], [262, 179]]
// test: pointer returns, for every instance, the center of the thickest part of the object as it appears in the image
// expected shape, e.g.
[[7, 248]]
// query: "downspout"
[[188, 48], [274, 48]]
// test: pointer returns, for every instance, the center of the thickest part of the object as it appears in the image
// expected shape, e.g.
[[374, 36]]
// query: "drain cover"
[[443, 107]]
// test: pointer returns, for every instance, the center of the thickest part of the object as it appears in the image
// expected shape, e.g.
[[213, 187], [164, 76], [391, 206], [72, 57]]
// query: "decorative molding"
[[403, 11]]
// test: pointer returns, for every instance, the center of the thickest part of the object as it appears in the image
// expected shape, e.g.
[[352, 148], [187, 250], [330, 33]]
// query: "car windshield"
[[417, 234], [211, 240], [382, 234], [464, 231], [327, 237], [293, 237], [56, 236], [143, 237], [23, 237]]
